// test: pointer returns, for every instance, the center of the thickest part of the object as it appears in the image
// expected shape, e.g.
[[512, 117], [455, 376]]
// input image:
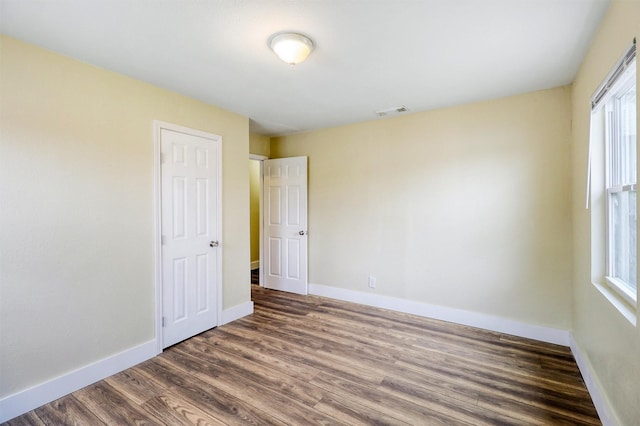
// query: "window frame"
[[612, 167]]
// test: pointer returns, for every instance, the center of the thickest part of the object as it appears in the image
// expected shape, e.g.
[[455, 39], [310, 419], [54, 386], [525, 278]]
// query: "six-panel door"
[[285, 224], [189, 180]]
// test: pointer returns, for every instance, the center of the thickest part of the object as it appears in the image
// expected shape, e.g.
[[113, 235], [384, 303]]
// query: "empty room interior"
[[437, 199]]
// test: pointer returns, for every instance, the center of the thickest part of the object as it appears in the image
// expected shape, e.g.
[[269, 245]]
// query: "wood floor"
[[309, 360]]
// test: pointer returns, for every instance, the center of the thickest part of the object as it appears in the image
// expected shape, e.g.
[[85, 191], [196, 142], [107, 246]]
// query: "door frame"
[[157, 221], [261, 242]]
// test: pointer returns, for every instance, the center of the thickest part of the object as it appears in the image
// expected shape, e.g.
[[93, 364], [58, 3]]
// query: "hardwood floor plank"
[[505, 387], [532, 413], [242, 347], [368, 351], [311, 360], [400, 322], [112, 407], [347, 412], [270, 401], [286, 346], [67, 411], [28, 419], [451, 387], [377, 333], [353, 355], [134, 385], [573, 392], [480, 365], [299, 339], [356, 336], [375, 399], [457, 408], [172, 410], [238, 369], [212, 400]]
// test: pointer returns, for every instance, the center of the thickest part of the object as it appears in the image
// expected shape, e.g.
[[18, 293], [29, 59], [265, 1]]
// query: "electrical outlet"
[[372, 281]]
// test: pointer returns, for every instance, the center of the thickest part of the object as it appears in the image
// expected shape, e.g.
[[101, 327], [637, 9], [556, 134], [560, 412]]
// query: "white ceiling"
[[370, 54]]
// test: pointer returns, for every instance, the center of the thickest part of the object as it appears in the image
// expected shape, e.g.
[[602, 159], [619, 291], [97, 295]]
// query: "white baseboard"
[[605, 412], [29, 399], [459, 316], [255, 264], [237, 312]]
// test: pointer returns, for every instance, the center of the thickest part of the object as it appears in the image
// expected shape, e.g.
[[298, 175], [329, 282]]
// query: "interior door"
[[190, 214], [285, 224]]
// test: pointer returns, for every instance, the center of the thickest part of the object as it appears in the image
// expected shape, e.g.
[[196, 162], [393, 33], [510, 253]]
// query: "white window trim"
[[620, 294], [622, 290], [627, 310], [620, 287]]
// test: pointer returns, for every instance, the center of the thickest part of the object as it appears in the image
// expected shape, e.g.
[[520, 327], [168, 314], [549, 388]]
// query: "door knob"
[[214, 244], [302, 232]]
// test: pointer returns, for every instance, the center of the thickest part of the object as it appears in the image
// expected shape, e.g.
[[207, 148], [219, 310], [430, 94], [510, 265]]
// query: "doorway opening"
[[255, 217]]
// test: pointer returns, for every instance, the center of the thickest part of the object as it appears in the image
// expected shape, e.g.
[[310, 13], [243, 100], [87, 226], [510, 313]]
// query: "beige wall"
[[610, 342], [467, 207], [259, 145], [76, 174], [254, 184]]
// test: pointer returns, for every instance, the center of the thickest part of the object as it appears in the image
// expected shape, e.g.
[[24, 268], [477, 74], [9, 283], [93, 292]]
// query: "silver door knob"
[[302, 232], [214, 244]]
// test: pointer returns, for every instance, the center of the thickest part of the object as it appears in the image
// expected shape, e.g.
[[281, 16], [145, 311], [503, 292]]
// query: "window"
[[612, 184], [621, 179]]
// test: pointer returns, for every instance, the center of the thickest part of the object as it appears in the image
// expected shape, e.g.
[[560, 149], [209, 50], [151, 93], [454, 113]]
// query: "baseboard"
[[237, 312], [605, 412], [255, 264], [459, 316], [29, 399]]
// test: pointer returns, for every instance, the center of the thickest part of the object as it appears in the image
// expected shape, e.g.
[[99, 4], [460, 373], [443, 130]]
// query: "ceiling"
[[370, 54]]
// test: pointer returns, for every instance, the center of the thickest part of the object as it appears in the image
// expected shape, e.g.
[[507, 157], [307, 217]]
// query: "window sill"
[[612, 293], [623, 291]]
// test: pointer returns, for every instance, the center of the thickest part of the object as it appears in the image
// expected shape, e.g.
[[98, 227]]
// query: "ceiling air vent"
[[391, 111]]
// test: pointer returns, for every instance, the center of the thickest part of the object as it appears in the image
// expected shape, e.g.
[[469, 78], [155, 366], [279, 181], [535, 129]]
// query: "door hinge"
[[163, 321], [163, 158], [163, 240]]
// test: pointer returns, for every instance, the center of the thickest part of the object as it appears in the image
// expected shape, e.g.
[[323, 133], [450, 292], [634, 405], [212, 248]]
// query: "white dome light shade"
[[292, 48]]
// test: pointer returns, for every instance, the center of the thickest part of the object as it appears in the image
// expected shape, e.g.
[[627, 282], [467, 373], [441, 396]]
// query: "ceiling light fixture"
[[394, 110], [292, 48]]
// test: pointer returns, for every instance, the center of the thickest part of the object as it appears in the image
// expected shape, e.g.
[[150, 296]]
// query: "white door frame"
[[260, 158], [157, 223]]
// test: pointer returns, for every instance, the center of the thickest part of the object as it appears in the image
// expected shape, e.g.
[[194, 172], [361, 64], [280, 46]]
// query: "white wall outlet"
[[372, 282]]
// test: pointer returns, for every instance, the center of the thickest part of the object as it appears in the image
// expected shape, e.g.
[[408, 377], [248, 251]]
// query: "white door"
[[285, 224], [190, 215]]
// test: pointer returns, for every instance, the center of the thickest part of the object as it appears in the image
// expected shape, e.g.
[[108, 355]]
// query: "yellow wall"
[[610, 342], [259, 145], [254, 184], [77, 247], [467, 207]]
